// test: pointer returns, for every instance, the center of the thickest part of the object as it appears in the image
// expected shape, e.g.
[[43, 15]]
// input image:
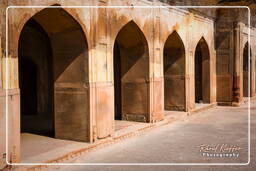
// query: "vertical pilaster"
[[189, 67], [101, 81], [213, 77], [10, 94], [253, 86], [156, 86], [10, 109], [237, 73]]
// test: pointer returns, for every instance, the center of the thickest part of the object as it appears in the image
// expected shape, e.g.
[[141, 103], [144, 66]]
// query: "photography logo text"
[[219, 150]]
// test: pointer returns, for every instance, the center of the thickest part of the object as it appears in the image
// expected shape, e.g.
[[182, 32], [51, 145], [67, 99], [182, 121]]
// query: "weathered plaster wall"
[[244, 38], [100, 27], [231, 36]]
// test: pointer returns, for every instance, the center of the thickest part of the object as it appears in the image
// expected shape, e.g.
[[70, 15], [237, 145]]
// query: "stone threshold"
[[246, 99], [237, 104], [202, 107]]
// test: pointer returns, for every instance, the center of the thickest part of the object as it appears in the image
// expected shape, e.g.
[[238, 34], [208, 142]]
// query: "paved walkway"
[[42, 149], [179, 143]]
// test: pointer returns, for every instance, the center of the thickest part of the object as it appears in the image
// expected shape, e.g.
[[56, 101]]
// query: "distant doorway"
[[247, 60], [202, 72]]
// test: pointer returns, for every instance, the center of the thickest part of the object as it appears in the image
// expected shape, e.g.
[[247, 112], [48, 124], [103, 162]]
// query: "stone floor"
[[200, 105], [119, 124], [38, 149], [176, 142], [179, 142]]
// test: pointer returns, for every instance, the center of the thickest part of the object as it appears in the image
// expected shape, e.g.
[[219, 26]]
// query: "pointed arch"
[[133, 29], [131, 70], [174, 36], [133, 24], [25, 17], [55, 42], [174, 73], [202, 72]]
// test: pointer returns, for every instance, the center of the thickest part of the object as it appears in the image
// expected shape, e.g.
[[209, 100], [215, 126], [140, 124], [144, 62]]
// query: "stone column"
[[213, 81], [2, 115], [101, 76], [237, 72], [9, 90], [156, 80], [10, 112], [189, 67], [190, 81], [253, 86]]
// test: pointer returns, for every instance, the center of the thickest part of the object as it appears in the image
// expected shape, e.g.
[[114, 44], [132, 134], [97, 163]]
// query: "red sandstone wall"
[[101, 28]]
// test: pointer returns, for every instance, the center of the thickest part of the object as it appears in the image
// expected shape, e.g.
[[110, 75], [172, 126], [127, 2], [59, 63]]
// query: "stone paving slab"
[[36, 148], [60, 151], [178, 142], [204, 124]]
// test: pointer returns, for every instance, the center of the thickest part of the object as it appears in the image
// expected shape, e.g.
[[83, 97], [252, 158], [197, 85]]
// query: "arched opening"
[[246, 75], [131, 72], [35, 79], [53, 69], [202, 72], [174, 73]]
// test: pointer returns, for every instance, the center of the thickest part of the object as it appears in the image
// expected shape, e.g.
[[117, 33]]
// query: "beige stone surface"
[[82, 42]]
